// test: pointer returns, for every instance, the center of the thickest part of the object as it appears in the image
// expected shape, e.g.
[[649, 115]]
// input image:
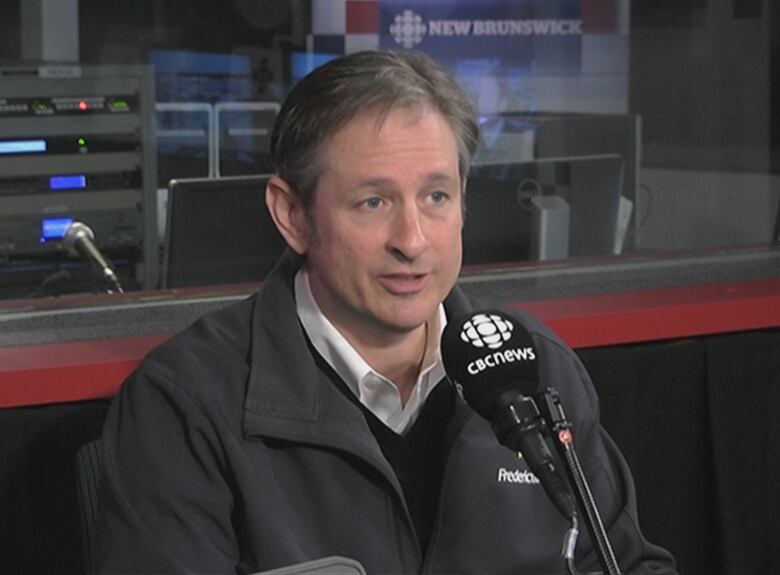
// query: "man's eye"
[[372, 203], [438, 197]]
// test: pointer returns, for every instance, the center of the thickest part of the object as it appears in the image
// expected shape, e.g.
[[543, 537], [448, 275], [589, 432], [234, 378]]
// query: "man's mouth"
[[404, 283]]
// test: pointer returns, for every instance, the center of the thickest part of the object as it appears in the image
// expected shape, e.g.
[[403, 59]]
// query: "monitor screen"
[[191, 76], [503, 211], [187, 84], [219, 231], [244, 138], [183, 141]]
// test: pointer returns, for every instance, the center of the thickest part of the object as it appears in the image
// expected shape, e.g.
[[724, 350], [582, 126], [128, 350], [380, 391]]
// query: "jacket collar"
[[288, 396]]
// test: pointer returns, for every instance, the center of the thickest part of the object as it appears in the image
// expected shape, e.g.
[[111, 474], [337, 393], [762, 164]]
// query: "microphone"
[[80, 238], [491, 359]]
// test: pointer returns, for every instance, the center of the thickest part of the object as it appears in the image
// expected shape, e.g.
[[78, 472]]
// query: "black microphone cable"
[[51, 284]]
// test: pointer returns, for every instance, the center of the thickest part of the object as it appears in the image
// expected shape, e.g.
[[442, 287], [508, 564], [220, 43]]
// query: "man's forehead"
[[369, 122], [376, 117]]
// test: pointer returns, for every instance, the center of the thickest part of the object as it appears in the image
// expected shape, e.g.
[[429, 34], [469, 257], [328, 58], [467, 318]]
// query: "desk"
[[93, 369]]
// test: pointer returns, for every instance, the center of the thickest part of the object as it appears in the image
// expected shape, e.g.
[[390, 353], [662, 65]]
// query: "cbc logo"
[[486, 331], [408, 29]]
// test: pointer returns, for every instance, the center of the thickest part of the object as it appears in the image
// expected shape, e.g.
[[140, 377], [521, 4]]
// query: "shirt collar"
[[375, 392]]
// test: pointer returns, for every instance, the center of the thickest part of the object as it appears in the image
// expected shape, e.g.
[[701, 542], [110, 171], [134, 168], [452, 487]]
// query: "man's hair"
[[330, 96]]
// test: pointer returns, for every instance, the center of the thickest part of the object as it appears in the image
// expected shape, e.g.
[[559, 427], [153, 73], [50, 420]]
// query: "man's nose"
[[408, 236]]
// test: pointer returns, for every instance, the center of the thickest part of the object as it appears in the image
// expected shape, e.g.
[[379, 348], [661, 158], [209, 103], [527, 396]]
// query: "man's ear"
[[288, 214]]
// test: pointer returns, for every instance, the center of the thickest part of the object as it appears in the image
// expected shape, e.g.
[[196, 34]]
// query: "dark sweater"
[[418, 456]]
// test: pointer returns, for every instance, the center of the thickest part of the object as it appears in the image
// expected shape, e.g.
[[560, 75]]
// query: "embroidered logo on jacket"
[[517, 476]]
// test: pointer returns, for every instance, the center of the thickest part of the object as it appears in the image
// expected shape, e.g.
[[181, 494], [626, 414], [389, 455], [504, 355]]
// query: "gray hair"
[[327, 98]]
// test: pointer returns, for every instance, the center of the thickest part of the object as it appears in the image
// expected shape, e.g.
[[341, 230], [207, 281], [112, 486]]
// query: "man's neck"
[[400, 361], [397, 355]]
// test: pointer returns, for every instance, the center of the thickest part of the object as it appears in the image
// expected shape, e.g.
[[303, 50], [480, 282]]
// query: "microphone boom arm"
[[561, 429]]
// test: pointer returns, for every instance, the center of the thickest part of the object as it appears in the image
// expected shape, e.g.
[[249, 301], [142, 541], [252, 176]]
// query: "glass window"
[[612, 131]]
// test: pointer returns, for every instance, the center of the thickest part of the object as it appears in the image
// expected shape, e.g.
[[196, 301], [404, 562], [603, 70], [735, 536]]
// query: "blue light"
[[54, 228], [22, 146], [304, 62], [74, 182]]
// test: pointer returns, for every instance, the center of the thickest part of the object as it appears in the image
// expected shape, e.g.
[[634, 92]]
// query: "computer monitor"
[[243, 137], [184, 140], [195, 76], [503, 211], [219, 231]]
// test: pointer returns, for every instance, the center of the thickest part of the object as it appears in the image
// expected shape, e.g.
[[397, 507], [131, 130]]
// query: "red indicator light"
[[83, 105]]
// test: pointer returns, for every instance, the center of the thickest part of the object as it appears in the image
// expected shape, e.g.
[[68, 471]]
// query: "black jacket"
[[229, 450]]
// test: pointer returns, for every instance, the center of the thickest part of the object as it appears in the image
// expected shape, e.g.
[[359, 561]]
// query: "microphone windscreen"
[[491, 357], [76, 231]]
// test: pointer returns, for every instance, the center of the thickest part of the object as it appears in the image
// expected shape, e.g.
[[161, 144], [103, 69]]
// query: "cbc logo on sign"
[[408, 29], [486, 331]]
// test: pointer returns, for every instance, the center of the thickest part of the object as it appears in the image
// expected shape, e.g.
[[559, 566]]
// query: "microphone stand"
[[564, 442]]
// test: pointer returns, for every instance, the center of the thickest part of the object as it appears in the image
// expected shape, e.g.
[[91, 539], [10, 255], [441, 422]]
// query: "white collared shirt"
[[375, 391]]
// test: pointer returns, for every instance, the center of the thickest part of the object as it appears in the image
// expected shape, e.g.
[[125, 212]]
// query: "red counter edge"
[[79, 371]]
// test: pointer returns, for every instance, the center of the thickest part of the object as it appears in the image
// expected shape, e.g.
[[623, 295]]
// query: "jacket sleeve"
[[165, 503], [605, 469]]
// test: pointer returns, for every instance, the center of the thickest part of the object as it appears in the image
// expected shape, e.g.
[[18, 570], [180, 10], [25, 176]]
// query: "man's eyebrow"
[[432, 178]]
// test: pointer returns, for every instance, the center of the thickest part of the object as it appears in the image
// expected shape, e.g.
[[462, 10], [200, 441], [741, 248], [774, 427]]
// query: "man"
[[314, 419]]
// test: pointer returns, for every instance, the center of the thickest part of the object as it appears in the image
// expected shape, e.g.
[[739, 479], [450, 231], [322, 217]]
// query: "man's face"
[[386, 245]]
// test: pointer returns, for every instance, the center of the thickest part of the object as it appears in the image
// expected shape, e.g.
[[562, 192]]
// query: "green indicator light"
[[82, 142], [120, 105]]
